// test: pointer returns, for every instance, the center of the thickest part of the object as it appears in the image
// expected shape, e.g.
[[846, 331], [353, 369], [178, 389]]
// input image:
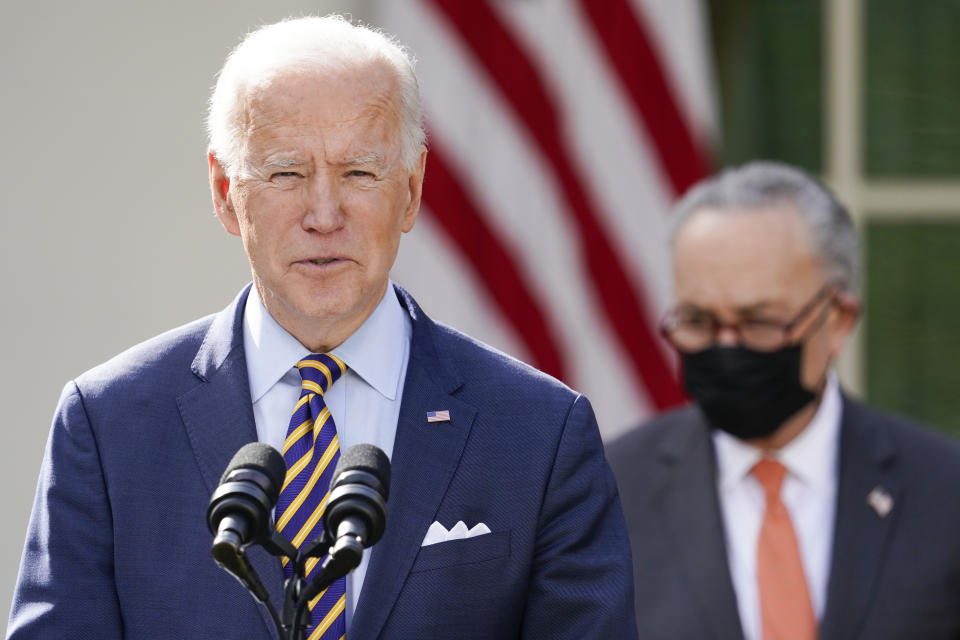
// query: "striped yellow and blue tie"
[[311, 451]]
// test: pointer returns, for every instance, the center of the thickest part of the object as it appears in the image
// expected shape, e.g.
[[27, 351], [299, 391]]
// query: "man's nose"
[[322, 204], [727, 335]]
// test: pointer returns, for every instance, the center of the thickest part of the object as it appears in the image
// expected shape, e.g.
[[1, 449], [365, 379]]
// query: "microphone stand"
[[234, 561], [354, 494], [342, 557]]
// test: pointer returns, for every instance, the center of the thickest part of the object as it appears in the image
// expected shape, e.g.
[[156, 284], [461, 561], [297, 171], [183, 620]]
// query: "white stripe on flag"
[[501, 167]]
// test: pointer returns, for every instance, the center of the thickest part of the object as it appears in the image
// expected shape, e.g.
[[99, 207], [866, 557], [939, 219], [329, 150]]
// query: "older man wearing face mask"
[[776, 507], [502, 518]]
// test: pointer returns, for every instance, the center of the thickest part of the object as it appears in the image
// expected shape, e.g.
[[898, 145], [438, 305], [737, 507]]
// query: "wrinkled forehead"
[[362, 99], [340, 89], [737, 258]]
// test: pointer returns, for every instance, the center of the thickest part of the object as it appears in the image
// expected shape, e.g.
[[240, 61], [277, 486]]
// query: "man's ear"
[[415, 185], [222, 197], [847, 309]]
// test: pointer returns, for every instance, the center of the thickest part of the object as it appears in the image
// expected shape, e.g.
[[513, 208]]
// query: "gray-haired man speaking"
[[502, 519]]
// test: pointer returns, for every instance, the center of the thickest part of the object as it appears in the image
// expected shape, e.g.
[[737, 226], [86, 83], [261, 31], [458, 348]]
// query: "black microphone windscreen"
[[263, 458], [366, 457]]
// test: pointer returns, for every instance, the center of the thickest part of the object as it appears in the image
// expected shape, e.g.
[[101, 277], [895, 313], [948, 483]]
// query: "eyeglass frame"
[[827, 291]]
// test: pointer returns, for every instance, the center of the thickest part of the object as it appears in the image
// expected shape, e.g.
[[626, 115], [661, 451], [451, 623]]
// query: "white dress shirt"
[[364, 402], [809, 493]]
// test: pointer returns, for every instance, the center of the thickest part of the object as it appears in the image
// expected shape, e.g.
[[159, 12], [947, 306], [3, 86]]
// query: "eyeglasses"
[[690, 330]]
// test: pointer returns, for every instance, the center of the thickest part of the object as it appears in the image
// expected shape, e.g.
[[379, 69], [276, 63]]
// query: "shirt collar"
[[374, 351], [811, 456]]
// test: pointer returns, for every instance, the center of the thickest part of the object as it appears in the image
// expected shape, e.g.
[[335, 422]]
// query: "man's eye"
[[359, 173], [285, 175], [696, 319]]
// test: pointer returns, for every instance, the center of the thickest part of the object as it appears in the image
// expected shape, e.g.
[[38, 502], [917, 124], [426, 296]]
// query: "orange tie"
[[785, 609]]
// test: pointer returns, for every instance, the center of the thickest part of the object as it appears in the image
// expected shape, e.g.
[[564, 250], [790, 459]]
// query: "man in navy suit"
[[316, 162], [776, 506]]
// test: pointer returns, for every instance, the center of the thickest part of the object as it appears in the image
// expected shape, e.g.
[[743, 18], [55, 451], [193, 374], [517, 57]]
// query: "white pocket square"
[[438, 533]]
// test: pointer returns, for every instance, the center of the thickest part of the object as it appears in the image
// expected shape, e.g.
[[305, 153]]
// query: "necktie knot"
[[770, 474], [320, 370]]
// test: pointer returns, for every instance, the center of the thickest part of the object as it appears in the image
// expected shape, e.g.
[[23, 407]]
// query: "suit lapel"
[[861, 533], [425, 456], [217, 412], [218, 417], [691, 508]]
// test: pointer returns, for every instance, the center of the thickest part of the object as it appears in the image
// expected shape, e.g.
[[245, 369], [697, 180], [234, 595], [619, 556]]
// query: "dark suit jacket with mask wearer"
[[118, 545], [892, 577]]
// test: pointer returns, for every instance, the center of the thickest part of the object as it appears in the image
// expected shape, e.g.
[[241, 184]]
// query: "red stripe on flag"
[[460, 218], [624, 38], [509, 67]]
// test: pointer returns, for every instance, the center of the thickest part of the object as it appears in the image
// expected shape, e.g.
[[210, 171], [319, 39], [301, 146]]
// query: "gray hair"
[[328, 43], [765, 184]]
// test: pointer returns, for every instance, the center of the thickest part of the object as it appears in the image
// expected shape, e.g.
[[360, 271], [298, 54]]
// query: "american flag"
[[438, 416], [560, 132]]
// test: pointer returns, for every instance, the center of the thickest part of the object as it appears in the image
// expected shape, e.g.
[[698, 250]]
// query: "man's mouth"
[[322, 261]]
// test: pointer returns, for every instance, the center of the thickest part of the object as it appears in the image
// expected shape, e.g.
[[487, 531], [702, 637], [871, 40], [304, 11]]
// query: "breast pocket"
[[488, 546]]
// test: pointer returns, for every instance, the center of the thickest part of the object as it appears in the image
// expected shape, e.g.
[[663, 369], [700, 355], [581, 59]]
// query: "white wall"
[[108, 236]]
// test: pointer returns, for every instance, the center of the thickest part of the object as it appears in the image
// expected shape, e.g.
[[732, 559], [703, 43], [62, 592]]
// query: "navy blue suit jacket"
[[118, 546], [892, 577]]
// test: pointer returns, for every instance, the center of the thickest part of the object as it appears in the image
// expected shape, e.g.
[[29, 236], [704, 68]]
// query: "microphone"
[[357, 505], [239, 509], [239, 515], [355, 515]]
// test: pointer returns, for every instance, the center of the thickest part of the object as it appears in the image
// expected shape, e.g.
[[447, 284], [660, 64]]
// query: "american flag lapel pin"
[[880, 500], [438, 416]]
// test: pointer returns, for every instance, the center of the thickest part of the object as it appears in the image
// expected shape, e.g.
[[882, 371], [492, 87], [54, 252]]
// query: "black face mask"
[[746, 393]]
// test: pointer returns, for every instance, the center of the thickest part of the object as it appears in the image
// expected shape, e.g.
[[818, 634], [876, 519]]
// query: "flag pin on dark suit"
[[438, 416], [880, 500]]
